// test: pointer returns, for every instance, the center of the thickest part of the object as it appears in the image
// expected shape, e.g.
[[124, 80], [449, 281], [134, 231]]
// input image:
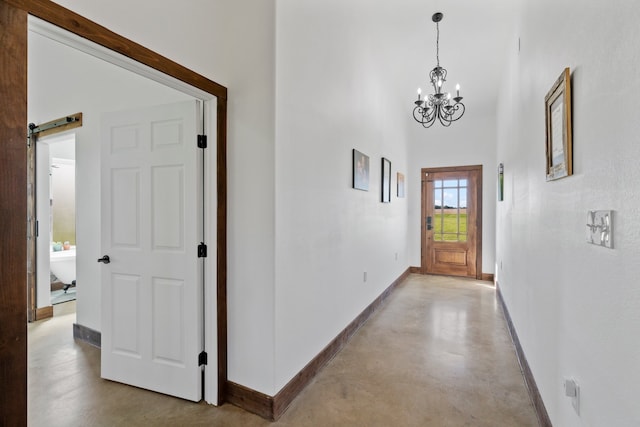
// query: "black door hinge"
[[202, 358], [202, 250], [202, 141]]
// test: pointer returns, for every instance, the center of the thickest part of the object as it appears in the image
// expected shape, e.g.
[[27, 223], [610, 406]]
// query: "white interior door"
[[152, 287]]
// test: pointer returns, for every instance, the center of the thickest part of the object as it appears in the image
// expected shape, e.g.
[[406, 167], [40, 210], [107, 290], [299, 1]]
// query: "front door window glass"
[[450, 210]]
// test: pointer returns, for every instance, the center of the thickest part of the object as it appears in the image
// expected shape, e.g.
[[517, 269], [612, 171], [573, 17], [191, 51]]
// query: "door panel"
[[454, 256], [125, 208], [451, 228], [152, 317]]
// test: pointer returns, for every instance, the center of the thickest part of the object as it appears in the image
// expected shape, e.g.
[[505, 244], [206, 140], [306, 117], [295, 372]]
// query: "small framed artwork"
[[501, 182], [360, 171], [386, 180], [400, 185], [558, 121]]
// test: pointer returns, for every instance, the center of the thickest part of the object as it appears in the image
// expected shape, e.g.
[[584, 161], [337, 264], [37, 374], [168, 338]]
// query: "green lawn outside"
[[445, 227]]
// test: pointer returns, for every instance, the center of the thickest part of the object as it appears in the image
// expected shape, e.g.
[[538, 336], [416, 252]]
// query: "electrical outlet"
[[396, 256], [364, 277], [572, 390]]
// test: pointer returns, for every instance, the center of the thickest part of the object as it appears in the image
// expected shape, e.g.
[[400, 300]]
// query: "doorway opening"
[[451, 231], [14, 31], [56, 208], [50, 163], [101, 84]]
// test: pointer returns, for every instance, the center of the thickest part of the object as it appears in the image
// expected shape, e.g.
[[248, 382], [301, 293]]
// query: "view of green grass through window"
[[450, 210]]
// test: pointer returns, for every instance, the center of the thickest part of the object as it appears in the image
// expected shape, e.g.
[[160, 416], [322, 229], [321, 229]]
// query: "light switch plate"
[[600, 228]]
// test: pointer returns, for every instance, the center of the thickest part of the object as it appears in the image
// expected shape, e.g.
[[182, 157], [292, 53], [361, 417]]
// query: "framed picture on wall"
[[400, 185], [386, 181], [360, 170], [559, 144], [500, 182]]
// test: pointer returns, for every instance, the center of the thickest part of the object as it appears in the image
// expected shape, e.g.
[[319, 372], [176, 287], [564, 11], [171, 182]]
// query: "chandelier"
[[439, 105]]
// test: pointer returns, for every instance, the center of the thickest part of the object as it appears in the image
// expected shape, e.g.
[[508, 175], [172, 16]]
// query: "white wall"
[[63, 194], [331, 97], [574, 305], [64, 81], [470, 141]]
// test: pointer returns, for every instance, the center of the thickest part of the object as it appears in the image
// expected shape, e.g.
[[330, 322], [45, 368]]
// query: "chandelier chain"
[[438, 44]]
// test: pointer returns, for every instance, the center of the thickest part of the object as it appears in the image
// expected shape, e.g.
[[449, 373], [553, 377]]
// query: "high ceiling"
[[475, 37]]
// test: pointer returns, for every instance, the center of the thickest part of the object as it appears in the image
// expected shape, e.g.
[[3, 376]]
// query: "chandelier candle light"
[[439, 105]]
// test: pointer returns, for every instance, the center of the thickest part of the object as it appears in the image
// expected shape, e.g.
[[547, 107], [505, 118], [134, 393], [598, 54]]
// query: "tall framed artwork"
[[559, 145], [386, 181], [500, 182], [400, 185], [360, 171]]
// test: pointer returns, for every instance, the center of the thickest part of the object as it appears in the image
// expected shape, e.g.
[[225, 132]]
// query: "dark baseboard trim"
[[249, 400], [487, 277], [272, 408], [532, 387], [44, 312], [88, 335], [283, 399]]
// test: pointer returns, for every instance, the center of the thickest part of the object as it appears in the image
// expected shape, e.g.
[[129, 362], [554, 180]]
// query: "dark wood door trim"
[[477, 169], [13, 214], [85, 28], [13, 191]]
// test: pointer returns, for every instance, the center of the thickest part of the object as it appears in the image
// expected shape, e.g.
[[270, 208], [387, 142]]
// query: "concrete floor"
[[436, 354]]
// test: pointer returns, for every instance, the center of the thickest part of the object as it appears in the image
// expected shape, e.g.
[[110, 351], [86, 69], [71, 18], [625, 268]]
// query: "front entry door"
[[152, 284], [452, 221]]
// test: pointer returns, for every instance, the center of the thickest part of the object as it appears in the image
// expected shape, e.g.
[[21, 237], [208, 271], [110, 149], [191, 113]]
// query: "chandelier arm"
[[428, 124], [422, 116], [434, 110], [444, 121], [443, 118], [458, 107], [418, 114], [430, 120]]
